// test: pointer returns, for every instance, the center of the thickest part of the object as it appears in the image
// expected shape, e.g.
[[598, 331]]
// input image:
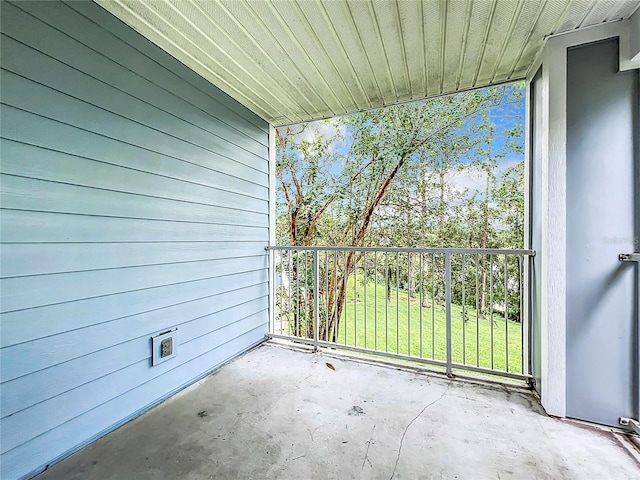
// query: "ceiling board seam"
[[588, 27], [231, 60], [614, 12], [298, 60], [463, 48], [274, 38], [222, 67], [344, 53], [484, 41], [212, 21], [372, 12], [403, 50], [247, 101], [294, 39], [255, 42], [560, 21], [324, 50], [283, 106], [514, 20], [424, 46], [443, 39], [541, 8], [366, 54], [589, 10], [221, 105]]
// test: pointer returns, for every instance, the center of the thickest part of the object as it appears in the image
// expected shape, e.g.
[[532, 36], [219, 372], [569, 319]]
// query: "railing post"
[[447, 292], [316, 299], [526, 267], [271, 254]]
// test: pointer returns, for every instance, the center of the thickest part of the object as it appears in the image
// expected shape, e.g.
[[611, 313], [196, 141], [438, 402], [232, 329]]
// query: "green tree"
[[381, 176]]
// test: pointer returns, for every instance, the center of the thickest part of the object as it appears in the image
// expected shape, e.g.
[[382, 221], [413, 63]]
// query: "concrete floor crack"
[[366, 454], [395, 466]]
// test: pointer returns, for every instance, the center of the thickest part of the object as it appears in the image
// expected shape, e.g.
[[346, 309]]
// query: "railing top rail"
[[470, 251]]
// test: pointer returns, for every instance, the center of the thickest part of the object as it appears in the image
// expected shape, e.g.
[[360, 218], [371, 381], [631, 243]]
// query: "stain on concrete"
[[355, 410]]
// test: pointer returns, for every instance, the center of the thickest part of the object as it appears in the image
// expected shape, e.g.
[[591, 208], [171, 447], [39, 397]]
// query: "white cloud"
[[470, 180], [473, 179], [329, 129]]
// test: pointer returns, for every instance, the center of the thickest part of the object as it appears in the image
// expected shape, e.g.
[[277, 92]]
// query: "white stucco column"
[[552, 206]]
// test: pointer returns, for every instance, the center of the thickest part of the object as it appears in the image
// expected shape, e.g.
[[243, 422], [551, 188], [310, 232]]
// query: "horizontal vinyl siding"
[[135, 198], [34, 323]]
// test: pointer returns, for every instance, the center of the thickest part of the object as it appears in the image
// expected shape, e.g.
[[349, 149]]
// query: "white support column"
[[272, 227], [553, 265], [526, 270], [272, 185], [553, 60], [630, 44]]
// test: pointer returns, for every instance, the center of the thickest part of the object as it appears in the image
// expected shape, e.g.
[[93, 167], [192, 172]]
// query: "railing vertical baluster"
[[326, 295], [421, 300], [386, 301], [309, 279], [344, 283], [433, 306], [305, 297], [336, 321], [299, 293], [491, 303], [316, 299], [334, 327], [304, 317], [306, 276], [355, 300], [364, 282], [477, 312], [506, 312], [272, 289], [285, 314], [375, 301], [296, 294], [289, 295], [299, 296], [464, 310], [523, 316], [409, 303], [284, 303], [397, 303], [447, 293], [283, 289]]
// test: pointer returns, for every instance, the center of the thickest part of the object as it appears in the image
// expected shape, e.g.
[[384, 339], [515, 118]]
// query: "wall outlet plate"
[[164, 346]]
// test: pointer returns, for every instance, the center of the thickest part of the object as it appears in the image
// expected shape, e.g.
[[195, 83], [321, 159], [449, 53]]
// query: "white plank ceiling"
[[297, 60]]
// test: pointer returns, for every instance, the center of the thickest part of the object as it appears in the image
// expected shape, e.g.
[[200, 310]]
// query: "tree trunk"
[[411, 288]]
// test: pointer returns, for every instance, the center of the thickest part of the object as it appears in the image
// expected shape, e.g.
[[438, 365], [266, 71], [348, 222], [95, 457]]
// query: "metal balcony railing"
[[450, 307]]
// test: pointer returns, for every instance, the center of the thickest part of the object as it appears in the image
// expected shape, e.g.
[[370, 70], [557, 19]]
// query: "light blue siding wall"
[[134, 199]]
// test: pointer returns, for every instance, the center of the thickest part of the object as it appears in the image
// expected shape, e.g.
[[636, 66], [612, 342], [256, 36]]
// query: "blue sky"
[[504, 116]]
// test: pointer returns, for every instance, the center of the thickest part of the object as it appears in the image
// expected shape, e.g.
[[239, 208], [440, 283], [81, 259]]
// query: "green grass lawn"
[[398, 325]]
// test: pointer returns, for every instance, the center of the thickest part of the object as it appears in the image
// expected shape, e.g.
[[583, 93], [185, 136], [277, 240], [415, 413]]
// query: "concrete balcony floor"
[[281, 413]]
